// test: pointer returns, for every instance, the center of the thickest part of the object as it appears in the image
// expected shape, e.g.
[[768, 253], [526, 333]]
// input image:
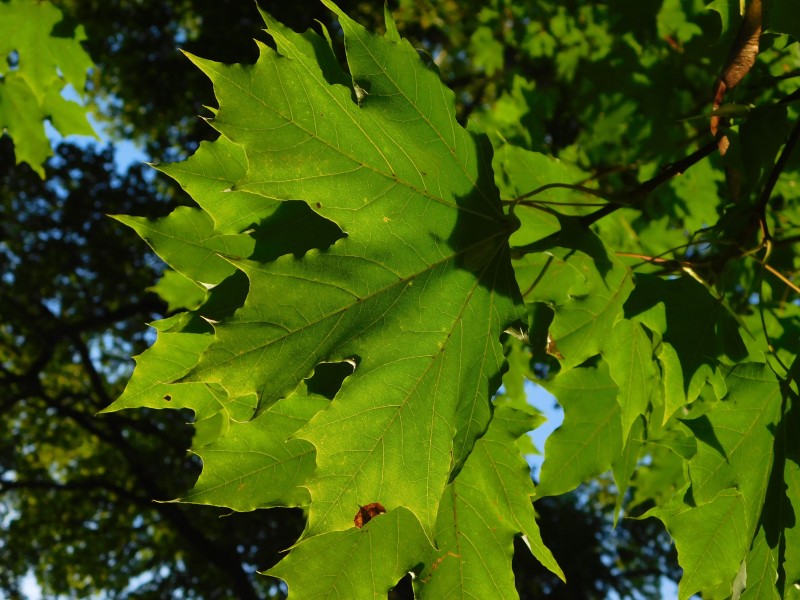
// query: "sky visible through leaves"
[[359, 271]]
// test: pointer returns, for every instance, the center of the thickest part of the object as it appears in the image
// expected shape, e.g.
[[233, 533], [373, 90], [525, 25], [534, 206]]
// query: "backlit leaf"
[[590, 438], [421, 287], [49, 55], [356, 563], [483, 509]]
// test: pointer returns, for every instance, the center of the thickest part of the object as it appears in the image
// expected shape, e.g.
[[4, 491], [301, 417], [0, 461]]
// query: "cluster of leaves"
[[44, 55], [394, 444], [354, 286], [353, 232]]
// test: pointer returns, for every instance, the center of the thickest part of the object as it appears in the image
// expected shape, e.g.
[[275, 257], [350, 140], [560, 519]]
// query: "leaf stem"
[[569, 186], [616, 201], [772, 180], [671, 170], [781, 276]]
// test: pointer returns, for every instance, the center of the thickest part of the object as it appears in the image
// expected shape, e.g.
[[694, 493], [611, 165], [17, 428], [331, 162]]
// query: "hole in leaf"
[[328, 377], [404, 589], [13, 60], [167, 397]]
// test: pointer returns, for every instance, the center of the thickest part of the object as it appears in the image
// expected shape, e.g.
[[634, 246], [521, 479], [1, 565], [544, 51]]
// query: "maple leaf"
[[485, 508], [715, 518], [348, 278], [415, 288]]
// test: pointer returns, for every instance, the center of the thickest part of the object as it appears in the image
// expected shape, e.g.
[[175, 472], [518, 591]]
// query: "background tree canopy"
[[653, 291]]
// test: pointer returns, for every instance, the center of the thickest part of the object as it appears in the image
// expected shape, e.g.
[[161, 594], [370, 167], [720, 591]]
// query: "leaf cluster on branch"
[[350, 229], [362, 283]]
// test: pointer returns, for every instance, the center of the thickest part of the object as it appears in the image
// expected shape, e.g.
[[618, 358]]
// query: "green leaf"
[[421, 287], [519, 172], [209, 174], [710, 544], [50, 55], [483, 510], [278, 228], [730, 14], [736, 438], [672, 21], [791, 526], [583, 283], [697, 334], [625, 465], [23, 124], [178, 291], [255, 464], [486, 50], [629, 354], [68, 117], [762, 571], [590, 438], [186, 239], [46, 43], [714, 524], [357, 563], [181, 340], [656, 481], [782, 505]]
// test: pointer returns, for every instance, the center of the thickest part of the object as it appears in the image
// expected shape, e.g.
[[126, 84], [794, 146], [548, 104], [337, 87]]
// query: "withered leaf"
[[740, 60], [368, 512], [552, 348]]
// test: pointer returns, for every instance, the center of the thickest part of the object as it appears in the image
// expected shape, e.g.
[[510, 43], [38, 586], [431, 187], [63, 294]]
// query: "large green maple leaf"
[[715, 519], [370, 231], [416, 295]]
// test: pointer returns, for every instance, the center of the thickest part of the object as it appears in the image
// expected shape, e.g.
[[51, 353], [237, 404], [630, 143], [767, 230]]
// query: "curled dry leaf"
[[552, 348], [740, 60], [368, 512]]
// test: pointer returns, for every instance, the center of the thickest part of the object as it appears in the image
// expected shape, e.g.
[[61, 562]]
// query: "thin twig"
[[781, 276], [639, 192], [769, 186], [616, 201], [569, 186]]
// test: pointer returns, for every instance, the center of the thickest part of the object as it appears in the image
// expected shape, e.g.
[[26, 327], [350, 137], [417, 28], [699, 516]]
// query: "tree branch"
[[638, 193], [630, 198]]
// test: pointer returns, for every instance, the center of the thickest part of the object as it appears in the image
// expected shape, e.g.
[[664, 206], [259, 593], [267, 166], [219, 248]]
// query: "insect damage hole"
[[328, 377]]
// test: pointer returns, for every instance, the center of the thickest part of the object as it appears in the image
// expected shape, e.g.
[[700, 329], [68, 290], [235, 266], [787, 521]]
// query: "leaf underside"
[[347, 277]]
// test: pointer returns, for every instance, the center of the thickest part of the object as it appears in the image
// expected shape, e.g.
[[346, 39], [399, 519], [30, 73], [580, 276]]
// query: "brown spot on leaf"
[[167, 397], [368, 512], [436, 564], [552, 348]]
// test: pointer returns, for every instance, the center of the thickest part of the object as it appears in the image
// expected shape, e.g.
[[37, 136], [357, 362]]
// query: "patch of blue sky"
[[541, 399], [126, 152]]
